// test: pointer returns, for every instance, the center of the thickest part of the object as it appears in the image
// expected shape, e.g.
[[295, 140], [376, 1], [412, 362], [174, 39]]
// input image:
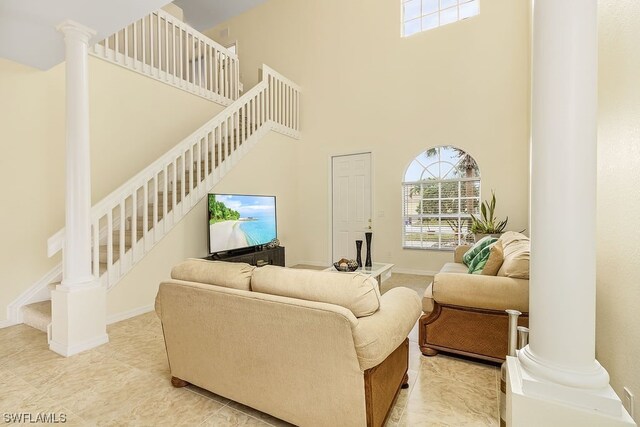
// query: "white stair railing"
[[165, 48], [132, 219]]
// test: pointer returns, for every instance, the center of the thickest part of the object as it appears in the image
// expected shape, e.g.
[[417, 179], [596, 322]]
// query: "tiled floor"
[[126, 382]]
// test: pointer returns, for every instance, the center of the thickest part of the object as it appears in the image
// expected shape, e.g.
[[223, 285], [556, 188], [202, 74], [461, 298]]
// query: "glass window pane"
[[469, 9], [448, 3], [411, 27], [414, 171], [432, 172], [430, 191], [411, 10], [470, 206], [449, 206], [449, 189], [429, 207], [448, 16], [470, 189], [430, 21], [429, 6]]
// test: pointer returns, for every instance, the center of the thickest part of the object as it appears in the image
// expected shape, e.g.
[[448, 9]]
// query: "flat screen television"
[[239, 221]]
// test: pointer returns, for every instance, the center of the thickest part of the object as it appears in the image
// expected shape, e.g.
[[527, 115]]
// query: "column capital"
[[72, 29]]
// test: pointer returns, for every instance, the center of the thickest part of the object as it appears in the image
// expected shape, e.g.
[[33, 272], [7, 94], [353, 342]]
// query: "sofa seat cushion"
[[516, 251], [454, 267], [357, 292], [478, 291], [236, 275]]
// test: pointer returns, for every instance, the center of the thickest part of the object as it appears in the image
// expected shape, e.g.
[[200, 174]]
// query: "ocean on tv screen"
[[238, 221]]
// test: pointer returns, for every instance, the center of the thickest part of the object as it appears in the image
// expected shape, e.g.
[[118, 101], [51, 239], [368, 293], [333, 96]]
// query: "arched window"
[[441, 189]]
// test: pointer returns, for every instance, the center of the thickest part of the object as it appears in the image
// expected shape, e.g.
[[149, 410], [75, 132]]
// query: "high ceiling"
[[28, 32], [205, 14]]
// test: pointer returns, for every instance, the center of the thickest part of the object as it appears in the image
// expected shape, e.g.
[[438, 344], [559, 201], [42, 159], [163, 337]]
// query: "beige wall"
[[618, 267], [367, 89], [133, 121]]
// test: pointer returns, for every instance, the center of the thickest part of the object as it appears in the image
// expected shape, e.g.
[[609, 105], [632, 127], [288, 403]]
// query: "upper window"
[[441, 189], [423, 15]]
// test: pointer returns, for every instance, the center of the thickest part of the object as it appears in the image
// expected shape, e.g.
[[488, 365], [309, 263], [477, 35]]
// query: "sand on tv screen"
[[239, 221]]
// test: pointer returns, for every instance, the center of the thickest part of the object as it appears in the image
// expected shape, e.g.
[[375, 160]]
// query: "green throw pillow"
[[480, 260], [476, 248]]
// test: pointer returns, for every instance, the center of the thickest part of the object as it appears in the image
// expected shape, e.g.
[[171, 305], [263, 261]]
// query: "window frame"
[[437, 13], [409, 218]]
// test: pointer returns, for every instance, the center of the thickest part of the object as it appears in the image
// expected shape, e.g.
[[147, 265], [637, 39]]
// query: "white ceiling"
[[28, 27], [205, 14]]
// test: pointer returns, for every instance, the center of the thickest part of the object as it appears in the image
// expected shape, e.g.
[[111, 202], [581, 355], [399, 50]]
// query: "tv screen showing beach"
[[238, 221]]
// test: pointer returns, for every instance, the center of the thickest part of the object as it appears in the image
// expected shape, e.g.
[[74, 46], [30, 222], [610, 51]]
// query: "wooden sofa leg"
[[429, 352], [178, 383], [405, 381]]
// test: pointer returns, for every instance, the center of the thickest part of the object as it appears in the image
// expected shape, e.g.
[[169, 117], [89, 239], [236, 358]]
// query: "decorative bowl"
[[346, 265]]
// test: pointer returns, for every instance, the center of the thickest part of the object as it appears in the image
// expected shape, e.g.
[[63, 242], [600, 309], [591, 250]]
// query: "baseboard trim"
[[7, 323], [67, 351], [118, 317]]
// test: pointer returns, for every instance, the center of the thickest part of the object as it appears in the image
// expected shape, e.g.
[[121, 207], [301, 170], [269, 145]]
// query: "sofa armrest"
[[459, 253], [479, 291], [376, 336]]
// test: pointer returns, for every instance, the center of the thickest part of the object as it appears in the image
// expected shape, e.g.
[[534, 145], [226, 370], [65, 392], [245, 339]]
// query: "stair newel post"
[[78, 304]]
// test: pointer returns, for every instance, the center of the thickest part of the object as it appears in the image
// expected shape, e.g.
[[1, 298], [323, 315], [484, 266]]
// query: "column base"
[[78, 318], [535, 402]]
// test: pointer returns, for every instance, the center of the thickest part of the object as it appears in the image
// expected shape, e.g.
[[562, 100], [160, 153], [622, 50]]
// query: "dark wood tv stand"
[[257, 257]]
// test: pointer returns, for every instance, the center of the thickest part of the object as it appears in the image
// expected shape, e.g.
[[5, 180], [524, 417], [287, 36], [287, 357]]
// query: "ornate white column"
[[77, 237], [78, 305], [556, 379]]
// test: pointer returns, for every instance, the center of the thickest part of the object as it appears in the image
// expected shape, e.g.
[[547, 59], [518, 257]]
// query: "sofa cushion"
[[496, 257], [454, 267], [476, 248], [356, 292], [516, 249], [478, 291], [236, 275]]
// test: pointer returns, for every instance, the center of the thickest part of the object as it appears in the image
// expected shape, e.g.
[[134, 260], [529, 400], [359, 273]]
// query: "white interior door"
[[351, 179]]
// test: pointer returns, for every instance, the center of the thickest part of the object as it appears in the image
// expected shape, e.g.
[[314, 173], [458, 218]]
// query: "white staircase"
[[128, 223], [164, 48]]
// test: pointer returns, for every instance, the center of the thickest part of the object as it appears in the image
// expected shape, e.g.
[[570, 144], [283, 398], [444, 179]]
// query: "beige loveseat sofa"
[[465, 313], [312, 348]]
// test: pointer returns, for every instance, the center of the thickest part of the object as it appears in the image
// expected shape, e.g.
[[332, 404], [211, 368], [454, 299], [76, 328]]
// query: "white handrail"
[[165, 48], [151, 202]]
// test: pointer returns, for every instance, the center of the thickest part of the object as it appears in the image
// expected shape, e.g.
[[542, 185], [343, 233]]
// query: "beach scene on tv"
[[238, 221]]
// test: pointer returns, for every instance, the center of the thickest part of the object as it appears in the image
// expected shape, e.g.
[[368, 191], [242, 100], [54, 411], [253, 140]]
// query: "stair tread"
[[37, 315]]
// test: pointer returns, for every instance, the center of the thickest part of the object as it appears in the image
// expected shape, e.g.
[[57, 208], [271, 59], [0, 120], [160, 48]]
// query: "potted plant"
[[487, 224]]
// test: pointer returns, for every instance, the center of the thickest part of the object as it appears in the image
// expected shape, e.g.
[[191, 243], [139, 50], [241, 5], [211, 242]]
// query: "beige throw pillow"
[[516, 249], [495, 260]]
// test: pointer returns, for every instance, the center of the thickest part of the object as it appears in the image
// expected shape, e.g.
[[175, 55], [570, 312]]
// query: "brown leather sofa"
[[312, 348], [465, 313]]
